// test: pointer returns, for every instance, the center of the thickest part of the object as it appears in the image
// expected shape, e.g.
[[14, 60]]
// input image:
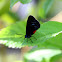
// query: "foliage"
[[44, 7], [41, 55], [4, 6], [22, 1], [56, 58], [9, 18], [46, 36]]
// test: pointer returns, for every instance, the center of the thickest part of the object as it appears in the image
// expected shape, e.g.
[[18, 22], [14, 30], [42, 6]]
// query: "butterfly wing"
[[32, 25]]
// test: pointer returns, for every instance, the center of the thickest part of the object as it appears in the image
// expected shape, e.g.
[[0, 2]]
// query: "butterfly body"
[[32, 26]]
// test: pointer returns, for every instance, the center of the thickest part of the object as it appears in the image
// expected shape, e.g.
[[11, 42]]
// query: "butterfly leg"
[[23, 41], [31, 40], [19, 34], [34, 37], [27, 39]]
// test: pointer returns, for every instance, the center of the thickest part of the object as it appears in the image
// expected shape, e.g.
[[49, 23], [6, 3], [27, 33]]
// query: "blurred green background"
[[13, 11]]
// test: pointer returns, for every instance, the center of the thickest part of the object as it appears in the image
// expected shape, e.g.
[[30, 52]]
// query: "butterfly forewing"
[[32, 25]]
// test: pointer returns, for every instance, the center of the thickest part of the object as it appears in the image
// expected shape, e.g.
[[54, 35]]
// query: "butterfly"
[[32, 26]]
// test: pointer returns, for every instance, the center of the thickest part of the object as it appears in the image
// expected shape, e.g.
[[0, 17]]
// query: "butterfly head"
[[26, 36]]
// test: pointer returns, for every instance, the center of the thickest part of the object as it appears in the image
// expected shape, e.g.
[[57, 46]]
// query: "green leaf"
[[56, 58], [44, 7], [25, 1], [9, 18], [9, 36], [49, 35], [42, 55], [4, 6], [22, 1], [52, 35], [47, 5], [54, 42]]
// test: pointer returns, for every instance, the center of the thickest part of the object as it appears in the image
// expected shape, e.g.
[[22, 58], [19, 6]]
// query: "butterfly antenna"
[[34, 37], [27, 39], [24, 39], [20, 34], [31, 40]]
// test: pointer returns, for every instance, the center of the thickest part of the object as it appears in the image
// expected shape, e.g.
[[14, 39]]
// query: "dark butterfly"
[[32, 26]]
